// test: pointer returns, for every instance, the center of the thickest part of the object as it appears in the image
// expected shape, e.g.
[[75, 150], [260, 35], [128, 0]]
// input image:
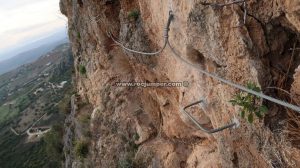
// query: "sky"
[[26, 21]]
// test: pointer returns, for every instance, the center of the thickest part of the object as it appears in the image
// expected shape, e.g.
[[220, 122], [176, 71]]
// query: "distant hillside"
[[28, 56], [35, 95]]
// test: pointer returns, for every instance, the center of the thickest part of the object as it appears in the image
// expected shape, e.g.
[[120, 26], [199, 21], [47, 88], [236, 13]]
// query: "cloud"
[[27, 19], [24, 35]]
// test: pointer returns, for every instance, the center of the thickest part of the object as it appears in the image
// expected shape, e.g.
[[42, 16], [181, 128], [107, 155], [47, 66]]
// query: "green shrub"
[[81, 149], [249, 103], [78, 35], [134, 14], [82, 69]]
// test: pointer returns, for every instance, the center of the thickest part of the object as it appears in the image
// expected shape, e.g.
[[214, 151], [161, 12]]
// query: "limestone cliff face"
[[144, 126]]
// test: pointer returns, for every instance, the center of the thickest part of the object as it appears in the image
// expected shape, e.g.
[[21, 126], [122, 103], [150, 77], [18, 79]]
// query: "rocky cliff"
[[255, 41]]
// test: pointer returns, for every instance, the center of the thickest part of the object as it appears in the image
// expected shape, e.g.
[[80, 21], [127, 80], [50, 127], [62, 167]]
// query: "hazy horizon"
[[27, 21]]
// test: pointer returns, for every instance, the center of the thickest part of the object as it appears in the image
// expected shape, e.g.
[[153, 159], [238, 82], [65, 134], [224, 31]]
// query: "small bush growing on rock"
[[134, 14], [81, 149], [249, 103], [82, 69]]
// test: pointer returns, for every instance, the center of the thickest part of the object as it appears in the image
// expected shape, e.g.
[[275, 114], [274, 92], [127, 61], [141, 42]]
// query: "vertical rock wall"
[[144, 126]]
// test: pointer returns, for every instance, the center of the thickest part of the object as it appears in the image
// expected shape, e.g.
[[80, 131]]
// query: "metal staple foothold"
[[234, 124]]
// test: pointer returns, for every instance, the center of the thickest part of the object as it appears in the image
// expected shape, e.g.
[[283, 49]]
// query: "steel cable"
[[178, 56], [165, 36], [280, 102]]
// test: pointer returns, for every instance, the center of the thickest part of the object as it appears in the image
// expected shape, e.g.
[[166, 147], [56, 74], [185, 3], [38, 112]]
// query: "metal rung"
[[234, 124]]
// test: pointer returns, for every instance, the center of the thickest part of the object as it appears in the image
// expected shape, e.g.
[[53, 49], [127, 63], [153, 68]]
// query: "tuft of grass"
[[292, 128], [250, 104], [82, 69], [134, 14]]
